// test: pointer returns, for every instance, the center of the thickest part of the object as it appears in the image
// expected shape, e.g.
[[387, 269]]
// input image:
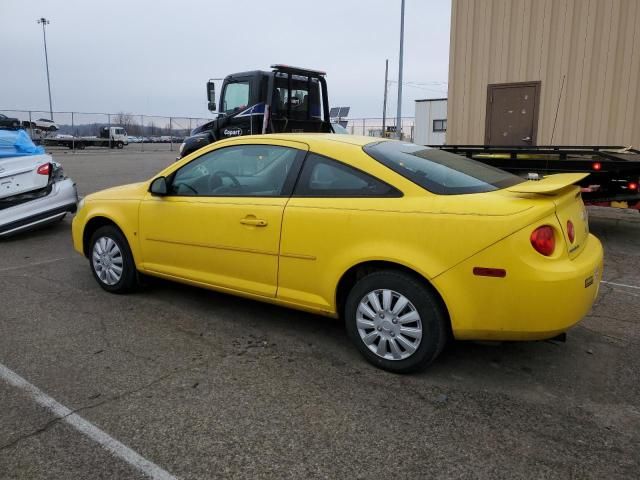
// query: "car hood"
[[132, 191]]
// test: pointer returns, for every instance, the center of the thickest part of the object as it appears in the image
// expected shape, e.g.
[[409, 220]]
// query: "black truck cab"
[[286, 99]]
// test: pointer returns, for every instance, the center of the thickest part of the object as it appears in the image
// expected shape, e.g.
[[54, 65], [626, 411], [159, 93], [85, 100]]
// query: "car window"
[[438, 171], [236, 96], [238, 171], [324, 177]]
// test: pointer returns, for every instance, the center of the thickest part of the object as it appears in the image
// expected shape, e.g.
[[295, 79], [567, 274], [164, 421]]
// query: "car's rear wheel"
[[111, 260], [395, 321]]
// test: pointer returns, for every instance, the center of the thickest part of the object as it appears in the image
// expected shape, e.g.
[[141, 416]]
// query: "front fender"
[[122, 213]]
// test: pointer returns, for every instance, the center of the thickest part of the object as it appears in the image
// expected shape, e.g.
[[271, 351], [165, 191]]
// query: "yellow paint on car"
[[299, 256]]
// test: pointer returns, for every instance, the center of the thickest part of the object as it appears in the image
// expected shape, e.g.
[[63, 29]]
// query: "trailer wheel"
[[120, 145]]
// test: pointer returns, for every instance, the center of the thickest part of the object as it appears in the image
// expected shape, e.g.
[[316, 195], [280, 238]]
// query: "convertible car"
[[410, 245]]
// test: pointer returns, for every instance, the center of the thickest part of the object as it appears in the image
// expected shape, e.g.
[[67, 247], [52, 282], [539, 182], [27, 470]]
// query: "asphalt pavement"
[[204, 385]]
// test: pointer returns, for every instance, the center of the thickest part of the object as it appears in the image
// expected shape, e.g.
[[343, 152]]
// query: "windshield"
[[438, 171], [236, 96]]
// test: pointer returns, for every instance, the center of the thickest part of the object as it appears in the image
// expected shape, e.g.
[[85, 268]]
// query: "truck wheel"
[[120, 145], [395, 321], [111, 260]]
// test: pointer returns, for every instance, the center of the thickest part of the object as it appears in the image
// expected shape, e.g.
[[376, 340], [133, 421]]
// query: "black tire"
[[120, 145], [128, 280], [432, 317]]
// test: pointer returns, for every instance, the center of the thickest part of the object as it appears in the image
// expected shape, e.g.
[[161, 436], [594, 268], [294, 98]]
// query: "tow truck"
[[285, 99], [111, 137]]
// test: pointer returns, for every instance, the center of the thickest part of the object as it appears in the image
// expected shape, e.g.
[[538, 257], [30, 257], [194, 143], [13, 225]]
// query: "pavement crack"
[[47, 426], [51, 423]]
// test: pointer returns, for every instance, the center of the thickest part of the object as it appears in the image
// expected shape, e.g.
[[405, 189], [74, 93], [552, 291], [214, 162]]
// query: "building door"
[[512, 113]]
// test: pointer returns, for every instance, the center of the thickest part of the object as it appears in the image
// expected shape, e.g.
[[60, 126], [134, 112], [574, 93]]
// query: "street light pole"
[[44, 22], [384, 104], [399, 116]]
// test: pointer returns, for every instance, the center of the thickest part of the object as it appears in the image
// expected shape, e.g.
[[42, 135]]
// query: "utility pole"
[[384, 105], [399, 116], [45, 22]]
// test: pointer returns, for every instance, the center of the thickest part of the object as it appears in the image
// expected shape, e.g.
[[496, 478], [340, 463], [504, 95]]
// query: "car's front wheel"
[[395, 321], [111, 260]]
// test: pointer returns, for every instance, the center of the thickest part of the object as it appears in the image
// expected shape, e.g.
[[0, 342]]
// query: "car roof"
[[314, 138]]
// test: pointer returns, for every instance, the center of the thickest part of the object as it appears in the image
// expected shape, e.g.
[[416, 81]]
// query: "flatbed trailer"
[[614, 178], [80, 143], [109, 137]]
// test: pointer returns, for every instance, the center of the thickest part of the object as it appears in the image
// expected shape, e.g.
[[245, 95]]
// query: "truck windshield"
[[236, 95], [438, 171]]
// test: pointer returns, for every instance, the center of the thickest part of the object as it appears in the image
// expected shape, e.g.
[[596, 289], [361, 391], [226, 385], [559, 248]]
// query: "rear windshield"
[[438, 171]]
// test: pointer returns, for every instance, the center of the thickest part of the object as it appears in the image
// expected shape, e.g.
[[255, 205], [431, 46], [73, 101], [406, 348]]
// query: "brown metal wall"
[[593, 44]]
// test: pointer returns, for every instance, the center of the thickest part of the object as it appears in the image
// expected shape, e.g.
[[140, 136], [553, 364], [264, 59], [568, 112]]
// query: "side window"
[[440, 125], [236, 95], [239, 171], [323, 177]]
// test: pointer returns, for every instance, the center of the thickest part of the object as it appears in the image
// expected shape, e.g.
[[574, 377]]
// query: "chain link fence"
[[144, 132], [156, 133], [372, 127]]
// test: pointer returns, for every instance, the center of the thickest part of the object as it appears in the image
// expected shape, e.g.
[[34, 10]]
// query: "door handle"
[[526, 139], [253, 221]]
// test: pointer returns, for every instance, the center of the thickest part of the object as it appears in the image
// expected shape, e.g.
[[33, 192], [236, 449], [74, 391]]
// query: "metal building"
[[431, 122], [544, 72]]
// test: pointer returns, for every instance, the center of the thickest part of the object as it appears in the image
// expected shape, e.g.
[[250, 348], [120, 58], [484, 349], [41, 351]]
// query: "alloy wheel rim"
[[389, 324], [107, 260]]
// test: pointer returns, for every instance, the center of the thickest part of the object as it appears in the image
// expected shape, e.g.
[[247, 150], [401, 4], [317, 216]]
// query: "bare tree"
[[127, 121]]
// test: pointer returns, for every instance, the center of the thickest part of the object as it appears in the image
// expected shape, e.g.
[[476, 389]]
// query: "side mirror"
[[158, 186], [211, 95]]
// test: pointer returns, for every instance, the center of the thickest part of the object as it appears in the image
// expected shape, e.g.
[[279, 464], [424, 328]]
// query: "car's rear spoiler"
[[549, 184]]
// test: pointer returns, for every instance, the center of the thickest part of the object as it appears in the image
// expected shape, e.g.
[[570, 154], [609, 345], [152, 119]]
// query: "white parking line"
[[33, 264], [620, 285], [86, 428]]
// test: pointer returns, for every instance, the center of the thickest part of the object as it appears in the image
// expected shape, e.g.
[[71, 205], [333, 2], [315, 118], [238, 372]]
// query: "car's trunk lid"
[[569, 205], [572, 213], [19, 174]]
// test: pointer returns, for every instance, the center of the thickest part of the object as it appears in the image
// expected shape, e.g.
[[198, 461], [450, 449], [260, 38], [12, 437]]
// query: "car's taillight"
[[571, 231], [44, 169], [632, 186], [596, 165], [543, 240]]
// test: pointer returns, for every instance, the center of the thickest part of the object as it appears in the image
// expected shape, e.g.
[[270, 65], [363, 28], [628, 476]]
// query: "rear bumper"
[[539, 297], [62, 199]]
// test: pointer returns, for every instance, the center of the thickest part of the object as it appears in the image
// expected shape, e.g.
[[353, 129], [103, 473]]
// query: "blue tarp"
[[16, 143]]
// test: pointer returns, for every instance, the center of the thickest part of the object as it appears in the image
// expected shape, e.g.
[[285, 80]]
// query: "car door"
[[332, 213], [220, 222]]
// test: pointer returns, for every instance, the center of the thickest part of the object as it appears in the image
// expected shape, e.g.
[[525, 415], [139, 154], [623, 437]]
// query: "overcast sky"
[[154, 57]]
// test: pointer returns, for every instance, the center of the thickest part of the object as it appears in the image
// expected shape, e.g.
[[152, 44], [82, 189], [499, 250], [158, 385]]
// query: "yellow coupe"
[[410, 245]]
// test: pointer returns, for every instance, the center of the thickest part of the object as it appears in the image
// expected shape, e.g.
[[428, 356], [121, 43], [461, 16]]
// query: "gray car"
[[37, 208]]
